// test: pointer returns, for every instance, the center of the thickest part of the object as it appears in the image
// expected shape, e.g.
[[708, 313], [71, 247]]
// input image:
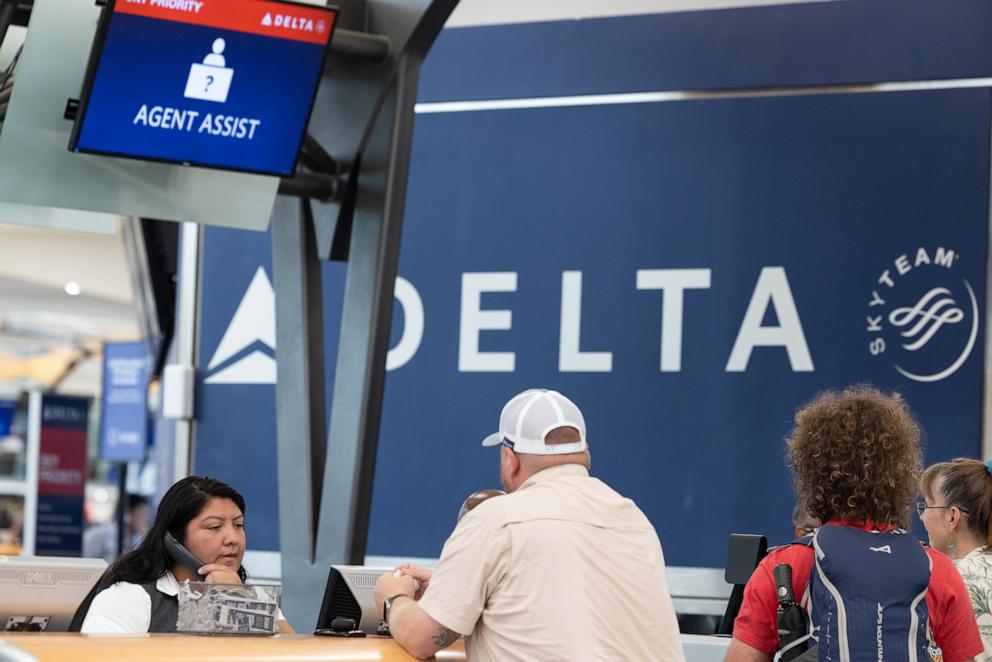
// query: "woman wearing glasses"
[[956, 513]]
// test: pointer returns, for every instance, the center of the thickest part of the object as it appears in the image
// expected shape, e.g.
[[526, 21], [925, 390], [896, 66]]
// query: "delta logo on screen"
[[219, 83], [294, 23]]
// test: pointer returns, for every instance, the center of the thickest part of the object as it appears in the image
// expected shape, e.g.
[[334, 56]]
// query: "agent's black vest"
[[165, 609]]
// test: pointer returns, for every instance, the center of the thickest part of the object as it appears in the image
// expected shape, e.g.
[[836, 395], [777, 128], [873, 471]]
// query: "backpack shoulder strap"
[[806, 540]]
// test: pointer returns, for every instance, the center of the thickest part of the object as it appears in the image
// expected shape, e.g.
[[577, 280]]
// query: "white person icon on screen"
[[216, 57], [211, 79]]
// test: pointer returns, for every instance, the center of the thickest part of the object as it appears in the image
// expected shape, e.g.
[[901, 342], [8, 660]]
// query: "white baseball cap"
[[529, 416]]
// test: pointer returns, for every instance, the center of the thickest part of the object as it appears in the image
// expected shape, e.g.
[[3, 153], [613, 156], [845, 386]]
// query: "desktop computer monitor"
[[41, 593], [350, 593]]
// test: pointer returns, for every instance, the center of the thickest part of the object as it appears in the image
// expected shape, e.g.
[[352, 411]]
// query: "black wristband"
[[389, 603]]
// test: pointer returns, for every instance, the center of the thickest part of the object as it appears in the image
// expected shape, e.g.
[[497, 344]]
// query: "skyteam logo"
[[923, 316], [246, 353]]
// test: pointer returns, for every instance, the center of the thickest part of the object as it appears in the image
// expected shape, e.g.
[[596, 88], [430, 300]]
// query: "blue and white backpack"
[[866, 597]]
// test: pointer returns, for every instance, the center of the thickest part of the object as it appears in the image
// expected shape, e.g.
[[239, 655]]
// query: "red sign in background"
[[61, 476], [62, 462]]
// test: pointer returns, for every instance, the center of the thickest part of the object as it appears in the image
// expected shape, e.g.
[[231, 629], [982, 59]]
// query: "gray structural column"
[[300, 433], [185, 340], [359, 377], [364, 117]]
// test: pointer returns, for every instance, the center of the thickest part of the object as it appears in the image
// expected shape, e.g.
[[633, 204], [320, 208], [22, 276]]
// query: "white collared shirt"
[[126, 608]]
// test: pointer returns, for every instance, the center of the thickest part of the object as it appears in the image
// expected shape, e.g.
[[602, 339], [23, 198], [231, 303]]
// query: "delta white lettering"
[[413, 324], [475, 320], [673, 283], [297, 23], [179, 5], [570, 357], [772, 289]]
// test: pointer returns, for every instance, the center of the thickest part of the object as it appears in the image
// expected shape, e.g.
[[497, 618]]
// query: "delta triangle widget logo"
[[297, 23], [246, 353], [922, 315]]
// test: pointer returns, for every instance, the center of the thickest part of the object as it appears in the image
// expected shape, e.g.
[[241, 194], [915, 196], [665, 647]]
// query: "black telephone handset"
[[183, 557]]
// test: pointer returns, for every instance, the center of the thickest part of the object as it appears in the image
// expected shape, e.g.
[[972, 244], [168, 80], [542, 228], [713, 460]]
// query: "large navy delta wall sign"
[[689, 270]]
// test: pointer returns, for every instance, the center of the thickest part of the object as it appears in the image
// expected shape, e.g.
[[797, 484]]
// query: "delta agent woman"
[[138, 593]]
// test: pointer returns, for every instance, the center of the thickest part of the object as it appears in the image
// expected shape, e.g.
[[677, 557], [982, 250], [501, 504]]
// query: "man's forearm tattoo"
[[444, 637]]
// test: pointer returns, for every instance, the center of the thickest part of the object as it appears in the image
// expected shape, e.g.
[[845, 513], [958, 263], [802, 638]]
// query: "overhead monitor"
[[217, 83], [41, 593]]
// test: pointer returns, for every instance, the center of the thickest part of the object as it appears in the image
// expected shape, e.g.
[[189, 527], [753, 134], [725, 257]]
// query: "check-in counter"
[[704, 648], [59, 647]]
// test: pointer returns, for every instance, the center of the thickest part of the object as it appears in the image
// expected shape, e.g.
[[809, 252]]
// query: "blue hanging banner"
[[7, 410], [124, 424]]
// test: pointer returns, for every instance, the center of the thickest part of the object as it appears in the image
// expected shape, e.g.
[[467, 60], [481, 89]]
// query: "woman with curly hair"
[[855, 456], [957, 513]]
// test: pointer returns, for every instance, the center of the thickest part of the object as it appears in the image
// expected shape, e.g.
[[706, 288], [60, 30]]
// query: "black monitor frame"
[[93, 66], [744, 553]]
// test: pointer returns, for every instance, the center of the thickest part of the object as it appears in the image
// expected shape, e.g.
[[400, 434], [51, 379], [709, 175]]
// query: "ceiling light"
[[72, 288]]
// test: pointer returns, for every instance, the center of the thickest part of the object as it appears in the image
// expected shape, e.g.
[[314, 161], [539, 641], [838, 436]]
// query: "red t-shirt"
[[951, 618]]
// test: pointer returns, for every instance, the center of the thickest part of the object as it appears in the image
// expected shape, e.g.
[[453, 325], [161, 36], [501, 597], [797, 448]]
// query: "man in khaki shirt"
[[560, 568]]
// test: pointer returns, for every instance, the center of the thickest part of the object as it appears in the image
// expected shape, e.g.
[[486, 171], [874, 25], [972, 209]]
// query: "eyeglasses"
[[921, 507]]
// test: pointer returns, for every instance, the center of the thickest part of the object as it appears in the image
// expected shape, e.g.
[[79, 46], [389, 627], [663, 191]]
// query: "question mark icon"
[[210, 80]]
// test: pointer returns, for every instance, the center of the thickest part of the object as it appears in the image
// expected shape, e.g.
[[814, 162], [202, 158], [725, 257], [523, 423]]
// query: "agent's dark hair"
[[967, 484], [183, 502], [856, 456]]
